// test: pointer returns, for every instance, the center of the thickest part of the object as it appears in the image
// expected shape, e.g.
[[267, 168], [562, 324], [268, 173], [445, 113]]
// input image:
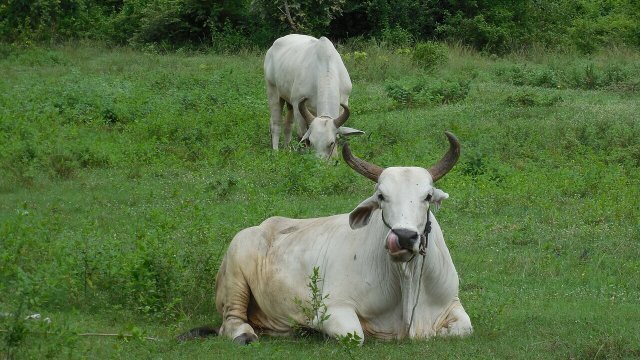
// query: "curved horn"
[[368, 170], [306, 114], [340, 120], [442, 167]]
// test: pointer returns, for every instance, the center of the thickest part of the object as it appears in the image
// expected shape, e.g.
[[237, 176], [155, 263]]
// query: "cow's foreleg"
[[342, 322], [301, 123], [275, 105], [456, 322], [288, 120]]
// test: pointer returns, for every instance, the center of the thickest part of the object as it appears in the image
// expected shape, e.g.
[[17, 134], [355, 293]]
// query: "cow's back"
[[288, 59], [294, 63]]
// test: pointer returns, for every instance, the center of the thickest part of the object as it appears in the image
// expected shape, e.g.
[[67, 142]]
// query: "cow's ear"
[[347, 131], [438, 197], [361, 215]]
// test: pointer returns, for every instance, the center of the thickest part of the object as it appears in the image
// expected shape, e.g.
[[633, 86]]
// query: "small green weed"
[[349, 343], [314, 309]]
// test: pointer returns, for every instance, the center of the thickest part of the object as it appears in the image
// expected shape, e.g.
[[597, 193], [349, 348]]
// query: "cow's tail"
[[200, 332]]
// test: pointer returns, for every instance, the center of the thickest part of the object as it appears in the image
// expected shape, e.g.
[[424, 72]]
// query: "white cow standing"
[[299, 68], [370, 262]]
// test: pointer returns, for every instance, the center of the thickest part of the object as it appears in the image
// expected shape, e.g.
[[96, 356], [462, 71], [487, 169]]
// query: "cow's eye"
[[380, 197], [428, 198]]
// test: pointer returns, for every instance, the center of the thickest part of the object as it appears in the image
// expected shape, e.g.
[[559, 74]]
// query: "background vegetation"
[[228, 25], [125, 174]]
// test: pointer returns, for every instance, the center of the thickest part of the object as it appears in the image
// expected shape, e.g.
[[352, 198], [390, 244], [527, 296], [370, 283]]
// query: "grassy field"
[[124, 175]]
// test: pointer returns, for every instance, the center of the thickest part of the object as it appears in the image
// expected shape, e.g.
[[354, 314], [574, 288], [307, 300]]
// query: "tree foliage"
[[495, 26]]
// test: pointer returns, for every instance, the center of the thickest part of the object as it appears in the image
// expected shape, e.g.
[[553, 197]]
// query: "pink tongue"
[[393, 243]]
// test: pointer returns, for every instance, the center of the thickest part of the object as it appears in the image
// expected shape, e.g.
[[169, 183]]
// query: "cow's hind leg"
[[234, 306], [342, 321], [275, 105]]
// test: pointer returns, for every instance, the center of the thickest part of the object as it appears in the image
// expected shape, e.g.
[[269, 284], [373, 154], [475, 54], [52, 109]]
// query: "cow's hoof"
[[245, 338]]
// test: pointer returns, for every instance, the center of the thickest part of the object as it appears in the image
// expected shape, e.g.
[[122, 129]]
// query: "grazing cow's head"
[[323, 131], [404, 194]]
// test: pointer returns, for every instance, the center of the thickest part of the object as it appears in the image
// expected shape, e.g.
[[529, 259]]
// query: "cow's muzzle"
[[402, 243]]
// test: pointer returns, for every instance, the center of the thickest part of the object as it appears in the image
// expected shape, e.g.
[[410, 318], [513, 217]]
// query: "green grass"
[[124, 175]]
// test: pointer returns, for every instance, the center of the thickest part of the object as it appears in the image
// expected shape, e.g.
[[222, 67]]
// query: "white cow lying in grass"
[[385, 268], [308, 74]]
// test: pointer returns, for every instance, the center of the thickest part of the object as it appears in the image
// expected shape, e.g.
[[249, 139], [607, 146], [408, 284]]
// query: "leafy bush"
[[604, 24], [400, 94], [396, 37], [429, 55], [431, 92], [446, 92], [477, 31], [45, 20], [179, 22], [531, 76], [229, 39], [530, 98]]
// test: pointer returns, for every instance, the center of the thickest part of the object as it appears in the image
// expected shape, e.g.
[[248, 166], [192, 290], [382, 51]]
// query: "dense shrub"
[[229, 39], [167, 22], [606, 23], [526, 98], [429, 55], [396, 37], [428, 92], [45, 20]]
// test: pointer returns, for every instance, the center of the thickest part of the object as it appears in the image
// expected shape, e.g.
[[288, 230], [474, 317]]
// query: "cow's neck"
[[328, 102], [439, 280]]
